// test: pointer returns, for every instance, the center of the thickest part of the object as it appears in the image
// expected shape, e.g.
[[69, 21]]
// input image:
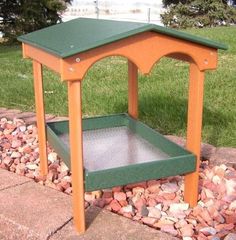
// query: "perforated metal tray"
[[118, 150]]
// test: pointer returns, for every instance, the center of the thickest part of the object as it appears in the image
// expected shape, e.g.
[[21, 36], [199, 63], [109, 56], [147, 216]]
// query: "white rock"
[[159, 206], [63, 167], [230, 236], [230, 186], [52, 157], [216, 179], [31, 166], [170, 187], [22, 128], [187, 238], [128, 209], [15, 155], [232, 205], [208, 231], [209, 193], [177, 207], [201, 203], [223, 166], [154, 212]]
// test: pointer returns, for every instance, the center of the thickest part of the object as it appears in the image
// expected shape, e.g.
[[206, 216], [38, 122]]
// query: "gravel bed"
[[157, 203]]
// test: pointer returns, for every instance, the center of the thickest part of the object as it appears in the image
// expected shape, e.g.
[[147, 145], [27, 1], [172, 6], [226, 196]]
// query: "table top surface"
[[82, 34]]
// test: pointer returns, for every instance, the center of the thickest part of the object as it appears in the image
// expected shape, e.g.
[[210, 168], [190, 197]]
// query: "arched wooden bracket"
[[144, 49]]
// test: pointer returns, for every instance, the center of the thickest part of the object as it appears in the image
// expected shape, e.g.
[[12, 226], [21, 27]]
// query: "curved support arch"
[[144, 50]]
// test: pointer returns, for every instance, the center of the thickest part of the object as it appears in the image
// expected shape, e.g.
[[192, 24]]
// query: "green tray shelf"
[[119, 150]]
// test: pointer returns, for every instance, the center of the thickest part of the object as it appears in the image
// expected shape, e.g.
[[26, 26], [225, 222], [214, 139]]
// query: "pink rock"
[[120, 196], [207, 231], [30, 175], [163, 222], [151, 202], [20, 169], [224, 226], [169, 196], [149, 220], [4, 166], [230, 236], [89, 197], [169, 229], [115, 206], [206, 216], [170, 187], [107, 194], [218, 217], [139, 204], [230, 218], [16, 143], [187, 230], [153, 186], [6, 145], [117, 189], [129, 194], [134, 185], [128, 215], [138, 190], [154, 212], [181, 223], [100, 202], [15, 155], [27, 149], [123, 203], [8, 161], [232, 205], [52, 175], [68, 190]]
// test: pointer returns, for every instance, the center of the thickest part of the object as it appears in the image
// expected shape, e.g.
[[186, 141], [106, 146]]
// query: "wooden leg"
[[76, 153], [39, 104], [194, 128], [132, 90]]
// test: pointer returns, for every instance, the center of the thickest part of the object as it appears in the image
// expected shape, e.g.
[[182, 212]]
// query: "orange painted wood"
[[194, 128], [43, 57], [76, 153], [144, 50], [40, 115], [132, 90]]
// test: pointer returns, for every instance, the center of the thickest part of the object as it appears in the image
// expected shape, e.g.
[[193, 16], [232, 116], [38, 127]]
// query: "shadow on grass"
[[168, 115]]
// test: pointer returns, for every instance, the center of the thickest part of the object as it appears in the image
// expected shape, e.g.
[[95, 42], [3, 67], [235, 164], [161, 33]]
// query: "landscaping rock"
[[157, 203]]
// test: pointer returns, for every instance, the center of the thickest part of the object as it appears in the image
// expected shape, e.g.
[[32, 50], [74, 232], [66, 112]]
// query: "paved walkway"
[[30, 211]]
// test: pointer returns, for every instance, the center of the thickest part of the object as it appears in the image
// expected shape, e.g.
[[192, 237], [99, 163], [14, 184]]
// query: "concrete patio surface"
[[30, 211]]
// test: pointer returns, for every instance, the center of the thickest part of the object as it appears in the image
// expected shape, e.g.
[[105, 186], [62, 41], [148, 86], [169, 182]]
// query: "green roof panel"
[[81, 34]]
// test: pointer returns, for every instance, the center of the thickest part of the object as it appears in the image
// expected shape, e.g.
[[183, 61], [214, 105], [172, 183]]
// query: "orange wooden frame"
[[142, 51]]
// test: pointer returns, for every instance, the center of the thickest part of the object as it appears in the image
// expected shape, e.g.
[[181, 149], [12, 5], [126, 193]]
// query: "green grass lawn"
[[162, 95]]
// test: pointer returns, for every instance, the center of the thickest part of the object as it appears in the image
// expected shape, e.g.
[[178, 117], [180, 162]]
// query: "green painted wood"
[[82, 34], [181, 161], [57, 144], [139, 172]]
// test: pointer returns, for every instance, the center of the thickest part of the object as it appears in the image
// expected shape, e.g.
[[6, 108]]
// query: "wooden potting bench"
[[70, 49]]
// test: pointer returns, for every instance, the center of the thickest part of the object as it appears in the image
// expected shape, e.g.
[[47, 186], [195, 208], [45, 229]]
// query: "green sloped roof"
[[81, 34]]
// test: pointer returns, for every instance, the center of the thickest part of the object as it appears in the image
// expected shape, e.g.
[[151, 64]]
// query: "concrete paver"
[[33, 211], [104, 225], [9, 179], [30, 211]]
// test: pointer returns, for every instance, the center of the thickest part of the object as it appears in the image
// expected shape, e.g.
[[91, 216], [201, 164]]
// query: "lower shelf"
[[118, 150]]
